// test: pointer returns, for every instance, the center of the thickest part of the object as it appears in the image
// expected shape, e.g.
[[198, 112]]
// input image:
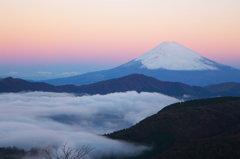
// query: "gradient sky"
[[57, 38]]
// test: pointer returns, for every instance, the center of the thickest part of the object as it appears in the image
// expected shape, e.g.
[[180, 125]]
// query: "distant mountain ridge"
[[169, 61], [134, 82], [224, 88]]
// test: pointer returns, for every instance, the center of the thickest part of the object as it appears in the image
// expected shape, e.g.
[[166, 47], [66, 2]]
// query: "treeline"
[[11, 152]]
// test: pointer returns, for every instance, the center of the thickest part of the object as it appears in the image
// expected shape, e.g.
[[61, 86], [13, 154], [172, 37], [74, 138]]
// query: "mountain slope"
[[141, 83], [219, 147], [17, 85], [230, 88], [174, 129], [168, 61], [134, 82]]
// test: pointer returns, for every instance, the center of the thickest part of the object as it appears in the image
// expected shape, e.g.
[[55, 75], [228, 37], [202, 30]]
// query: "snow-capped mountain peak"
[[168, 61], [173, 56]]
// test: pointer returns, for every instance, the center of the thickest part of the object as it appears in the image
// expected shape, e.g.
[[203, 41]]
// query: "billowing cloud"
[[39, 119]]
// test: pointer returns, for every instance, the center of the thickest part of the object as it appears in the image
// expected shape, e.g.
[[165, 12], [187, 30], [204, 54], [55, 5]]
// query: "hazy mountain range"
[[134, 82], [169, 61]]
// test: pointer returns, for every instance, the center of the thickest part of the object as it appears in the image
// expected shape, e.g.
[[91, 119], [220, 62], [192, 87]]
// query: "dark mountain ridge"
[[10, 84], [134, 82], [230, 88]]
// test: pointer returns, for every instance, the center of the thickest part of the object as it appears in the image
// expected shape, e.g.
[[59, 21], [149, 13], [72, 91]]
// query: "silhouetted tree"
[[68, 152]]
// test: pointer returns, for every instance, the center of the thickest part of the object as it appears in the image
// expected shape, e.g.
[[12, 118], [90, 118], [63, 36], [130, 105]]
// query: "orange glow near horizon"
[[115, 31]]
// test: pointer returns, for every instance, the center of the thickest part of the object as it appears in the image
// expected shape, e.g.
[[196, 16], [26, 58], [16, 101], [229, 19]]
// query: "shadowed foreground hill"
[[205, 128]]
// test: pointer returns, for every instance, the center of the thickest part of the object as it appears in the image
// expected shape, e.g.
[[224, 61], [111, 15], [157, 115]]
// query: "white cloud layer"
[[39, 119]]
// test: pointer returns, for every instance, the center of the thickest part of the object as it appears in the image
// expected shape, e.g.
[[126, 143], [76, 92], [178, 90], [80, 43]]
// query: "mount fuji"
[[168, 61], [173, 56]]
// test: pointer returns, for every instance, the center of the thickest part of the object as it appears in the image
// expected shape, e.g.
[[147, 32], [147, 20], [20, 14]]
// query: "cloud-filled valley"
[[39, 119]]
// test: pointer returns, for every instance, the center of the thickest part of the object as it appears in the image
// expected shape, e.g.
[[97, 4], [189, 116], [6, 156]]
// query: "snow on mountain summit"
[[173, 56]]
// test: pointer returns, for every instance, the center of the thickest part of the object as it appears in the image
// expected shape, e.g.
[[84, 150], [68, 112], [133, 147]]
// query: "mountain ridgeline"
[[134, 82], [203, 128], [168, 61]]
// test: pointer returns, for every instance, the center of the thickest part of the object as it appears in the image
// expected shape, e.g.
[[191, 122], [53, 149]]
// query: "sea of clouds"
[[42, 119]]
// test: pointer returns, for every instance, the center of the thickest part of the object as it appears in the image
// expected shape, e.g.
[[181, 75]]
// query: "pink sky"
[[106, 32]]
